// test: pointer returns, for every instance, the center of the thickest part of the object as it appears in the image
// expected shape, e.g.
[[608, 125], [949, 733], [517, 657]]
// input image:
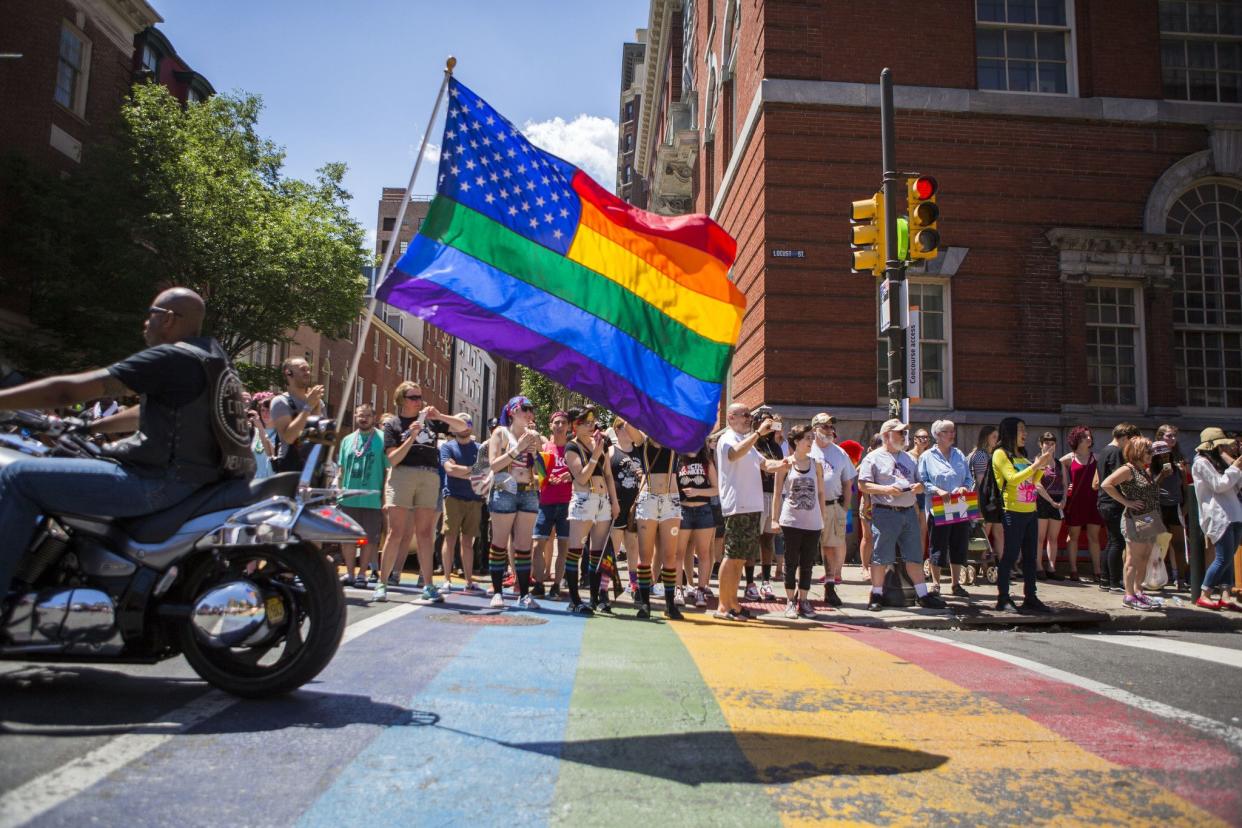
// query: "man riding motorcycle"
[[189, 430]]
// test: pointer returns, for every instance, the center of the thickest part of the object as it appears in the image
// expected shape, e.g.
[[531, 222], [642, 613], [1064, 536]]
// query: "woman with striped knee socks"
[[659, 515], [593, 505], [515, 498]]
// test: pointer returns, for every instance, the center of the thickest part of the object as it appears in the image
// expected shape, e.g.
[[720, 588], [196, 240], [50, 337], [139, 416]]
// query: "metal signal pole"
[[895, 268]]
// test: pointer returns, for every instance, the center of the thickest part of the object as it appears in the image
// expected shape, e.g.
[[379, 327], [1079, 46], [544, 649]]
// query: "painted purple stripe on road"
[[264, 763]]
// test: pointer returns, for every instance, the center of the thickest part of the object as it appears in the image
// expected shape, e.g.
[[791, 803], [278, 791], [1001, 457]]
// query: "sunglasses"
[[158, 309], [921, 437], [413, 396], [527, 408]]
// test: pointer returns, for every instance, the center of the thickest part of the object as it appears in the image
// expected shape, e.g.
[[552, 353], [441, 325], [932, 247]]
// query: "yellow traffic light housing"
[[867, 235], [923, 215]]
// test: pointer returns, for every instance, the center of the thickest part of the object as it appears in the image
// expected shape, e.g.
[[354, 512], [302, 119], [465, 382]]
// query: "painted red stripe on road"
[[1180, 759]]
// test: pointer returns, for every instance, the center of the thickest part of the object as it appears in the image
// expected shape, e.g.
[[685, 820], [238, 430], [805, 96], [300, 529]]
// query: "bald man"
[[177, 443]]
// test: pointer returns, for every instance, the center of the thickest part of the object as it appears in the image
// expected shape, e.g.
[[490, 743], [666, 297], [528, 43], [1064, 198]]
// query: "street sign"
[[779, 253], [914, 362], [886, 316]]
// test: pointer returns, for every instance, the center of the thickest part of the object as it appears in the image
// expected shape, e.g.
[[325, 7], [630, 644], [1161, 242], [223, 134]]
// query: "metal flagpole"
[[352, 376]]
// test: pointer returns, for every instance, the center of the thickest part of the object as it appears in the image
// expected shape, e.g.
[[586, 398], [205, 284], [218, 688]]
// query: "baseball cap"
[[893, 425], [822, 418], [466, 418]]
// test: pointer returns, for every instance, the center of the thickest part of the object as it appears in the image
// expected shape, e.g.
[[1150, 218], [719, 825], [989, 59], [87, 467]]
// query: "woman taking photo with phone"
[[593, 504], [1217, 473], [1015, 474], [1135, 489], [797, 512], [515, 498]]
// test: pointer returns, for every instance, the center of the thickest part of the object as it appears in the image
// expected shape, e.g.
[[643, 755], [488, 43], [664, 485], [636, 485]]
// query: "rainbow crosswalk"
[[445, 717]]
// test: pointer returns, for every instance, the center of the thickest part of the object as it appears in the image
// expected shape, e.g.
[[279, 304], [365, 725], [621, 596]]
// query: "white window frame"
[[1140, 344], [1203, 37], [387, 352], [1071, 54], [946, 298], [1183, 327], [375, 345], [357, 391], [77, 103]]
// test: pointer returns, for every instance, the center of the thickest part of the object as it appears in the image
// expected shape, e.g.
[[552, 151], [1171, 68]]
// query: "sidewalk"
[[1074, 604]]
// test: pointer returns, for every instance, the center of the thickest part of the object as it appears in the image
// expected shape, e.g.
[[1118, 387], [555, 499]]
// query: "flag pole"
[[352, 376]]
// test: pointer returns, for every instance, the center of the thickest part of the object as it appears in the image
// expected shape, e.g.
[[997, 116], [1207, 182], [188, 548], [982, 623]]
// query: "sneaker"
[[527, 602], [700, 599], [472, 589], [1034, 605], [347, 580], [673, 614], [498, 601], [1131, 602], [644, 611], [604, 607], [446, 585], [679, 597], [830, 595], [581, 609], [554, 592], [876, 603], [960, 591], [432, 595], [360, 582], [791, 609], [931, 601], [766, 591], [1149, 602], [536, 589], [1006, 605], [380, 593], [724, 615], [706, 592], [752, 592], [805, 609]]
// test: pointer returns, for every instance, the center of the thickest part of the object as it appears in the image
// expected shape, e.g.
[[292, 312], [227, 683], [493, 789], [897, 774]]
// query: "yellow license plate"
[[275, 610]]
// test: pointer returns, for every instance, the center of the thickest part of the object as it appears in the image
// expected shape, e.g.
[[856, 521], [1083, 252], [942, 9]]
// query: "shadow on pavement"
[[85, 701]]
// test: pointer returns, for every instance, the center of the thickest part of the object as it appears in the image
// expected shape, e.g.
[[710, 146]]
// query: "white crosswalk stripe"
[[1173, 646]]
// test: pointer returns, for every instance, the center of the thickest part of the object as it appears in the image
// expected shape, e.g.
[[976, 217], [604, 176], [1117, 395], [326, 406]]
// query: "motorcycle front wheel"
[[305, 619]]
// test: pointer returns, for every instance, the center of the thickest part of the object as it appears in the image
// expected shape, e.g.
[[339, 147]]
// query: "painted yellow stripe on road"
[[889, 742]]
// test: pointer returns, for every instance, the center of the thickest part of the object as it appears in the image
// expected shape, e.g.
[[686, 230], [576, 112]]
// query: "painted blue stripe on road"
[[264, 762], [469, 768]]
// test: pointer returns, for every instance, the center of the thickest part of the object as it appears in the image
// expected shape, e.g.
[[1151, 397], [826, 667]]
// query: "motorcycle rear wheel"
[[302, 644]]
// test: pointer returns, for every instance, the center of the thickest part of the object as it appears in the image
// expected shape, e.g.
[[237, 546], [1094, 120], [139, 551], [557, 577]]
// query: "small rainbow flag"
[[956, 509], [522, 254], [544, 460]]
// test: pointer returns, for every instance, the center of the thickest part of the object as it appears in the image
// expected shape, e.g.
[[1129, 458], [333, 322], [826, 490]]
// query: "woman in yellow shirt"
[[1015, 475]]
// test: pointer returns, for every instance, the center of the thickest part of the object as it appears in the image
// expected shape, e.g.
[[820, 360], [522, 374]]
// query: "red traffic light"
[[925, 186]]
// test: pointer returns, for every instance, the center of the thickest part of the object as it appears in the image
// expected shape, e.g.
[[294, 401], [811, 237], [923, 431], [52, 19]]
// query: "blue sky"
[[354, 80]]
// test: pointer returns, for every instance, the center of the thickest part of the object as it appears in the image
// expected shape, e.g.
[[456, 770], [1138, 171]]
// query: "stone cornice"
[[1089, 253], [653, 58]]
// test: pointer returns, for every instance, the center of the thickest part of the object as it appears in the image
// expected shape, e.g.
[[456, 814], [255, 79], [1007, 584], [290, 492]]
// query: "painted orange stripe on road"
[[906, 745]]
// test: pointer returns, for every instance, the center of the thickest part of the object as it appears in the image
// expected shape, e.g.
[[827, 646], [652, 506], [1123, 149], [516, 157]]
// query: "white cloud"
[[589, 142], [433, 152]]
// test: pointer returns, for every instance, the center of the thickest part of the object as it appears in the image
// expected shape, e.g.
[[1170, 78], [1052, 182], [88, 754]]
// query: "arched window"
[[1207, 302]]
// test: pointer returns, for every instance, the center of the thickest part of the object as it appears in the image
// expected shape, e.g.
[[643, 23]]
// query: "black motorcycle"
[[235, 577]]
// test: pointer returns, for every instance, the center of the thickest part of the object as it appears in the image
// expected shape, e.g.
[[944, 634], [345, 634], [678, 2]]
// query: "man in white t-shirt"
[[891, 477], [738, 467], [839, 471]]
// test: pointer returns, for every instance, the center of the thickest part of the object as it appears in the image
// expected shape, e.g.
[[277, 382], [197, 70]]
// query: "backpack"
[[991, 498]]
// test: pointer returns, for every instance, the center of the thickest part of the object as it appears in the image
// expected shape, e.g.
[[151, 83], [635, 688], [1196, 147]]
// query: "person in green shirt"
[[362, 463]]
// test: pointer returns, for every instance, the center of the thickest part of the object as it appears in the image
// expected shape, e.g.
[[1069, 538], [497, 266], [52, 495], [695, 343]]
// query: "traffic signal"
[[923, 214], [867, 235]]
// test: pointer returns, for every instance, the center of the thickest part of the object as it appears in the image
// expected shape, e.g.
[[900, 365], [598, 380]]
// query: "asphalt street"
[[455, 714]]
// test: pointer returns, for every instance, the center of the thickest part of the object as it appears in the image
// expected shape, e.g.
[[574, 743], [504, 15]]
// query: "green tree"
[[548, 395], [185, 195]]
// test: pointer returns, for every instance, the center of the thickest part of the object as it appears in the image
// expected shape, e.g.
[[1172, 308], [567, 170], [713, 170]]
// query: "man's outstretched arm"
[[64, 390]]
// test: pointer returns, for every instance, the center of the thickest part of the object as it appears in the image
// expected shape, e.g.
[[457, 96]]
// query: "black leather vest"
[[201, 442]]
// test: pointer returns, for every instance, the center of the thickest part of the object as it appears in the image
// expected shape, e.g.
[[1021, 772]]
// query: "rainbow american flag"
[[524, 255]]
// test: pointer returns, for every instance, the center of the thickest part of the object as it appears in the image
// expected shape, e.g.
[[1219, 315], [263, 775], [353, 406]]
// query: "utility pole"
[[894, 267]]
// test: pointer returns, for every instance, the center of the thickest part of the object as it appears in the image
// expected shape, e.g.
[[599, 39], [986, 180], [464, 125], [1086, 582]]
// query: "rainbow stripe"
[[525, 256]]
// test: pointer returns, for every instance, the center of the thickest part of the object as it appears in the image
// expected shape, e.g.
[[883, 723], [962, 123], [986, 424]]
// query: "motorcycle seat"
[[231, 494]]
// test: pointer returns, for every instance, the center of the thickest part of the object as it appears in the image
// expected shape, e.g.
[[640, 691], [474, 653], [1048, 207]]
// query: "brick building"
[[65, 68], [629, 185], [1089, 158], [155, 59]]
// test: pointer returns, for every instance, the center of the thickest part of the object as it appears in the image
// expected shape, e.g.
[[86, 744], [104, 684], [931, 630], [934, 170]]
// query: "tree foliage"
[[548, 395], [184, 195]]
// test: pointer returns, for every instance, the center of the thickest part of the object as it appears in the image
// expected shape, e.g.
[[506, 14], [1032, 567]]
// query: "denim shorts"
[[506, 503], [697, 517], [893, 529], [552, 516]]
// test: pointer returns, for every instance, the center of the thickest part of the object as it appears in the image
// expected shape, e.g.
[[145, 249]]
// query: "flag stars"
[[454, 169], [547, 217], [465, 186], [557, 234], [539, 201], [479, 180], [489, 198], [534, 222], [526, 206], [513, 211], [564, 213], [470, 163], [511, 153]]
